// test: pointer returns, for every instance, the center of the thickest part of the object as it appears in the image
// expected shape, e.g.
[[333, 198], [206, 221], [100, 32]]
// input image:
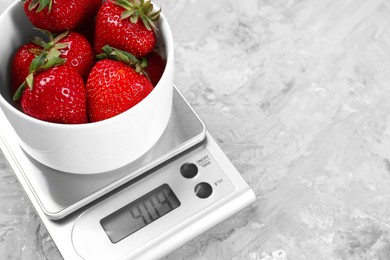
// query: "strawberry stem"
[[135, 10], [46, 58], [115, 54], [40, 5], [52, 42]]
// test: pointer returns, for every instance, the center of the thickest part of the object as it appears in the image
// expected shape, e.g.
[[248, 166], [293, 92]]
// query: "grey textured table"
[[298, 95]]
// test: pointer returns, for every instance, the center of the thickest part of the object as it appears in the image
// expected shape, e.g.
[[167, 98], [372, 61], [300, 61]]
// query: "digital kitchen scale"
[[180, 188]]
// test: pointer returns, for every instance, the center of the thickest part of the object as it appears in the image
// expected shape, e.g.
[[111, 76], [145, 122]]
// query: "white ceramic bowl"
[[85, 148]]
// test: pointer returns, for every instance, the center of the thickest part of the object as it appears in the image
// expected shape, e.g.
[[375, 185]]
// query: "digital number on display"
[[140, 213]]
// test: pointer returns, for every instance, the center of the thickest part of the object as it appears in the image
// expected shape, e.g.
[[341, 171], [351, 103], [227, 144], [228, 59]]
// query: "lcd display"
[[140, 213]]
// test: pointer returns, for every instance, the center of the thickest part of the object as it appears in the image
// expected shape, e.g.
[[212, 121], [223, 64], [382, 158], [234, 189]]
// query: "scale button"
[[203, 190], [189, 170]]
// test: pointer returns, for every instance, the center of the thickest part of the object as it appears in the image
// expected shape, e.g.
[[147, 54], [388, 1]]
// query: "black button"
[[203, 190], [189, 170]]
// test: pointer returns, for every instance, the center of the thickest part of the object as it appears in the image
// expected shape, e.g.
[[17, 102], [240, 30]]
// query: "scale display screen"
[[140, 213]]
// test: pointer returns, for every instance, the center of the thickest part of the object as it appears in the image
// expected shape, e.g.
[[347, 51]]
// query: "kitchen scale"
[[180, 188]]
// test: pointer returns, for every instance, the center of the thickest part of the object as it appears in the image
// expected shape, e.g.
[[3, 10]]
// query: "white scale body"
[[182, 187]]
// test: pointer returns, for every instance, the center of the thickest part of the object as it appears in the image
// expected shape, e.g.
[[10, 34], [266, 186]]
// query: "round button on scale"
[[189, 170], [203, 190]]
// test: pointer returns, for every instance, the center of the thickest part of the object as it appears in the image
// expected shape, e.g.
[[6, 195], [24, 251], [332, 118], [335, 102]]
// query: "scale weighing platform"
[[179, 189]]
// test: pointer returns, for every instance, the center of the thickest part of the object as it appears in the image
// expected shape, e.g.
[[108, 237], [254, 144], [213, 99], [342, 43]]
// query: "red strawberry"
[[155, 68], [20, 65], [60, 15], [114, 87], [78, 53], [58, 96], [70, 46], [127, 25]]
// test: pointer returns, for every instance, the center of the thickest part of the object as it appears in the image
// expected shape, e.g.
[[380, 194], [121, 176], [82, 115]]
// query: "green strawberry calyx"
[[52, 46], [138, 64], [40, 5], [140, 9], [45, 58]]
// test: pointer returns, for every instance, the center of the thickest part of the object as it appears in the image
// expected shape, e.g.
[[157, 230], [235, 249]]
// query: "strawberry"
[[78, 53], [20, 65], [72, 47], [114, 87], [58, 96], [155, 68], [127, 25], [60, 15], [52, 91]]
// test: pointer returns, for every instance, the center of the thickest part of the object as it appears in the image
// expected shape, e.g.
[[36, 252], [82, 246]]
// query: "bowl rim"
[[169, 48]]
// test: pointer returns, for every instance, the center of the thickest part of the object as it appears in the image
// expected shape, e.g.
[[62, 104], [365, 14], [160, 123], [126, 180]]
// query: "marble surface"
[[297, 92]]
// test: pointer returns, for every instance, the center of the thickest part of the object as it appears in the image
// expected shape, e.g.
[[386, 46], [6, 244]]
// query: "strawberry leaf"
[[19, 92], [47, 33], [147, 8], [53, 53], [37, 62], [134, 18], [62, 45], [125, 4], [126, 14], [35, 51], [52, 62], [60, 36], [30, 80], [146, 22], [115, 54], [52, 42], [40, 5], [33, 4], [39, 41], [44, 4], [155, 16], [135, 10]]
